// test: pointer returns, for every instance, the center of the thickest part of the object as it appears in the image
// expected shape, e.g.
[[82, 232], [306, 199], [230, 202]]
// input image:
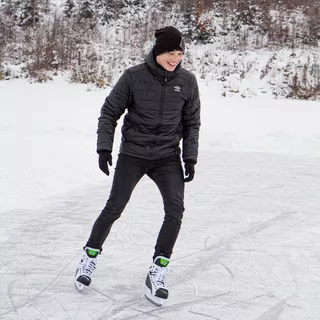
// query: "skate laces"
[[158, 275], [90, 266], [87, 265]]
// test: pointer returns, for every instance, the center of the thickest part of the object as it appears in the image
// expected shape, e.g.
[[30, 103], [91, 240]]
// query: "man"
[[162, 105]]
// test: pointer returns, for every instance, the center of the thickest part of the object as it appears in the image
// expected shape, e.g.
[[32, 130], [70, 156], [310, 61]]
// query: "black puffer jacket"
[[162, 108]]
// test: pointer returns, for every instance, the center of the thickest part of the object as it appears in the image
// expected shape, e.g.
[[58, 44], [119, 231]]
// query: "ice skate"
[[85, 268], [156, 291]]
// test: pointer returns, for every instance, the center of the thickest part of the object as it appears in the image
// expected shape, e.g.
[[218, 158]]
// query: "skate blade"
[[79, 286], [153, 299]]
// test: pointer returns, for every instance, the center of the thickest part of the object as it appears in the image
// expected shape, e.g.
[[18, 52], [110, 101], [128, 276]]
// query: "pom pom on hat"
[[168, 39]]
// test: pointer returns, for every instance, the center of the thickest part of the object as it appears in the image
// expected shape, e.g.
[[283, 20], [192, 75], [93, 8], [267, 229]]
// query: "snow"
[[249, 243]]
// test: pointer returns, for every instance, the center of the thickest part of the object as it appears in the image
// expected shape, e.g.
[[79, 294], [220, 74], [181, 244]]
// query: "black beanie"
[[168, 39]]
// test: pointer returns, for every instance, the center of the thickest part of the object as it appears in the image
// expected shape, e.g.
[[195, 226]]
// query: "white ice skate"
[[156, 291], [85, 268]]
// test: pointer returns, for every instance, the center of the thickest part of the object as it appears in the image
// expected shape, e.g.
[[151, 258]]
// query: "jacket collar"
[[158, 72]]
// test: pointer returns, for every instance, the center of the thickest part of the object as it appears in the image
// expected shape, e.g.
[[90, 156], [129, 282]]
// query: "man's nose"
[[175, 59]]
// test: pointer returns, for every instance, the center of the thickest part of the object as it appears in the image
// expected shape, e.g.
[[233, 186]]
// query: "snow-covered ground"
[[249, 246]]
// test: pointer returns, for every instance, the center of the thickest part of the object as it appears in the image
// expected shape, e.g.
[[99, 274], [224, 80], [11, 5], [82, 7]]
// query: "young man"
[[162, 105]]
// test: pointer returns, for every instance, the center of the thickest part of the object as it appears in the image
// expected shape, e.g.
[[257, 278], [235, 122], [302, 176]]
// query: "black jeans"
[[167, 173]]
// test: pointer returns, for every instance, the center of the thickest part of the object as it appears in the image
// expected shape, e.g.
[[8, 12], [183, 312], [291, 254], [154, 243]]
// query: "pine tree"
[[107, 10], [69, 8], [28, 15], [87, 9], [132, 6]]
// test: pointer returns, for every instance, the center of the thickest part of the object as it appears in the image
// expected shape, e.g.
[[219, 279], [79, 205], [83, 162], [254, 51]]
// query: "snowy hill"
[[245, 48]]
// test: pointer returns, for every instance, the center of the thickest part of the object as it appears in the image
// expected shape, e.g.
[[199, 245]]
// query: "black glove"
[[105, 158], [189, 170]]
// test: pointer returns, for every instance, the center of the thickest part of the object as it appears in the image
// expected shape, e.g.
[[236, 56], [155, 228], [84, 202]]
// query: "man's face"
[[170, 60]]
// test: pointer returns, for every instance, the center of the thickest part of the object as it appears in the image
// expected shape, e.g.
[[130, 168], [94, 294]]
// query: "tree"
[[131, 6], [107, 10], [27, 13], [87, 9], [69, 8]]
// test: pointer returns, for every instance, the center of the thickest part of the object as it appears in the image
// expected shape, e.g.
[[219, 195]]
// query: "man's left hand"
[[189, 171]]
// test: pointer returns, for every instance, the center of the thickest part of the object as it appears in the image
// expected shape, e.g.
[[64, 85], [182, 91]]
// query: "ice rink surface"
[[249, 245]]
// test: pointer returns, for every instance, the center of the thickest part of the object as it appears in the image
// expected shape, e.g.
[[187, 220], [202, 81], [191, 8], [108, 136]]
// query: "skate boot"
[[156, 291], [85, 268]]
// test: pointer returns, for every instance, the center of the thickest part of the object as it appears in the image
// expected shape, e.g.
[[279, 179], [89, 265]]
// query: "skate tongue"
[[91, 252], [161, 261]]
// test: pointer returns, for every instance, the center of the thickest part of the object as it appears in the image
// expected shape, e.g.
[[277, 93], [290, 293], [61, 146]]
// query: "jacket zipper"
[[160, 115], [162, 102]]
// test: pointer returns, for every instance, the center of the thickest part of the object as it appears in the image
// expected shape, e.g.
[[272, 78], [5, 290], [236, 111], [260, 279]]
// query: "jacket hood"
[[157, 70]]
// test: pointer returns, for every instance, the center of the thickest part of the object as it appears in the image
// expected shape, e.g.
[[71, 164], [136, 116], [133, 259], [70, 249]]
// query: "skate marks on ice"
[[39, 262], [274, 312], [251, 254], [262, 238], [34, 256], [248, 249], [37, 280], [26, 288]]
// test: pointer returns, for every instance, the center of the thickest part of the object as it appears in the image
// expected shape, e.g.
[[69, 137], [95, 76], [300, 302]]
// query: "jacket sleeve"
[[191, 125], [112, 109]]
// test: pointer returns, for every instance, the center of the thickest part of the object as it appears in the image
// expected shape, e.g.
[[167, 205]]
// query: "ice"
[[249, 245]]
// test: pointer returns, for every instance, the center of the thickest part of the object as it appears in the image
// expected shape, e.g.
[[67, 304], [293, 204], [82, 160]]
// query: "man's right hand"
[[105, 158]]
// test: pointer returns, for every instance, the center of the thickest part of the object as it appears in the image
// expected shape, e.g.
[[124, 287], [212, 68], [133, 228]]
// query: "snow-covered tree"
[[87, 9], [69, 8], [107, 10], [27, 13]]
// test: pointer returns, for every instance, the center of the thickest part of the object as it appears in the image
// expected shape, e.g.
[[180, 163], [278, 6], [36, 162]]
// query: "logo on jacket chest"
[[177, 89]]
